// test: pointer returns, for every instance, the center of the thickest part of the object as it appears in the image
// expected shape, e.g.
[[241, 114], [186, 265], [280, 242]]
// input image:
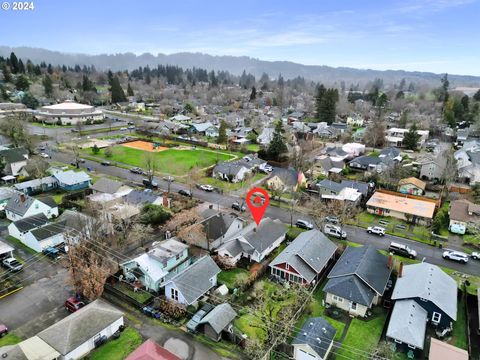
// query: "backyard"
[[171, 161], [232, 278], [118, 349]]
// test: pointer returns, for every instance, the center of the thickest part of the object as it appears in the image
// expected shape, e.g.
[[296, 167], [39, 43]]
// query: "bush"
[[154, 215], [108, 152]]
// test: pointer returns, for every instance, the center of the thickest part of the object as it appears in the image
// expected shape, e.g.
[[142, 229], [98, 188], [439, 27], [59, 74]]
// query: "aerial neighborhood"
[[129, 202]]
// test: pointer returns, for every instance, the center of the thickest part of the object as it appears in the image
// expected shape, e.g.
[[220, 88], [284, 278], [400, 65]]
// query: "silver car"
[[455, 256], [12, 264]]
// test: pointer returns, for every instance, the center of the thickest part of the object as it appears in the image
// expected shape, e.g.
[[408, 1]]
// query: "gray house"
[[217, 321], [433, 167], [314, 341], [358, 280]]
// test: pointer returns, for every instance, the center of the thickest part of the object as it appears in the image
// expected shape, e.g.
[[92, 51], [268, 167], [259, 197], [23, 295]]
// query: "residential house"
[[37, 186], [315, 340], [468, 162], [141, 198], [305, 259], [78, 334], [367, 163], [156, 266], [49, 235], [218, 321], [150, 350], [432, 167], [401, 207], [395, 136], [192, 283], [358, 280], [464, 215], [340, 128], [5, 195], [337, 153], [440, 350], [72, 180], [412, 186], [423, 294], [347, 190], [21, 206], [219, 227], [5, 250], [325, 166], [230, 171], [286, 180], [265, 136], [253, 242], [18, 229], [390, 154], [33, 348], [201, 128], [180, 118], [109, 186], [15, 159]]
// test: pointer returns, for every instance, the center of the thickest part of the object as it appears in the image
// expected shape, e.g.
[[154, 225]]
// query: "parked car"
[[131, 123], [123, 128], [197, 317], [455, 256], [335, 231], [51, 252], [185, 192], [266, 169], [239, 207], [3, 330], [106, 163], [402, 250], [377, 230], [332, 219], [45, 156], [12, 264], [73, 304], [150, 184], [475, 255], [136, 170], [208, 188], [131, 127], [81, 161], [304, 224], [74, 130]]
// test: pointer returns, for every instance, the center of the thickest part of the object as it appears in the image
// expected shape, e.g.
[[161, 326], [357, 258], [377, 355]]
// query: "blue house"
[[71, 180]]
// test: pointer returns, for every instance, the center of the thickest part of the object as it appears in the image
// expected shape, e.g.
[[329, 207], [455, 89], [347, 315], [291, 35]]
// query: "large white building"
[[69, 113]]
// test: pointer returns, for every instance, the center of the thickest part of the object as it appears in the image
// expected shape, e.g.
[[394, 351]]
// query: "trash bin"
[[440, 245]]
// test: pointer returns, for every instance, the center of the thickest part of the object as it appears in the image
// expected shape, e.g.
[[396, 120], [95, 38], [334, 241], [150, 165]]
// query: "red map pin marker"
[[257, 204]]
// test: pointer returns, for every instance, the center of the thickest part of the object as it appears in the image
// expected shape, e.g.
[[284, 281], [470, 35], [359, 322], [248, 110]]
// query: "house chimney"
[[400, 270], [22, 198], [165, 199], [390, 261]]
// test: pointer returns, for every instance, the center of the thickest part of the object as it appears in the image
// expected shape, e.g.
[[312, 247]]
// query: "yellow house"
[[286, 179]]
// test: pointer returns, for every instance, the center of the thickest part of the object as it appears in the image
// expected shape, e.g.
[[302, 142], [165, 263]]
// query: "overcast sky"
[[424, 35]]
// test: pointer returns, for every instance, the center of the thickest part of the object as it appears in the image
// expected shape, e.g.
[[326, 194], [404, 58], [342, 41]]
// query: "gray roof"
[[229, 168], [71, 177], [106, 185], [48, 231], [307, 254], [137, 197], [14, 155], [236, 247], [31, 222], [362, 187], [20, 207], [360, 273], [218, 224], [288, 176], [366, 160], [194, 281], [265, 234], [408, 323], [35, 183], [327, 163], [6, 193], [48, 200], [74, 330], [331, 185], [220, 317], [318, 334], [391, 152], [429, 282]]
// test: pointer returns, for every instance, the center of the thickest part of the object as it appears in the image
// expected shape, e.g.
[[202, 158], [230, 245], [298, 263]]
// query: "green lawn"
[[362, 336], [253, 147], [459, 333], [10, 339], [171, 161], [231, 277], [120, 348], [141, 296], [225, 349], [18, 244]]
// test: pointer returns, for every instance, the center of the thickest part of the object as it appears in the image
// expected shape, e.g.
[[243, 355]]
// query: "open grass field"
[[171, 161]]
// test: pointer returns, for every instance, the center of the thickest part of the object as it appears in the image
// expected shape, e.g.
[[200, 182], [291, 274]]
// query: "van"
[[334, 231], [402, 250]]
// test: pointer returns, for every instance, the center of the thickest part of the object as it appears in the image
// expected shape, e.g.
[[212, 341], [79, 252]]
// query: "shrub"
[[108, 152], [154, 215]]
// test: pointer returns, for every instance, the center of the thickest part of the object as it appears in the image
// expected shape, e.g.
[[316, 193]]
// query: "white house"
[[46, 236], [18, 229], [21, 206], [15, 159], [314, 341]]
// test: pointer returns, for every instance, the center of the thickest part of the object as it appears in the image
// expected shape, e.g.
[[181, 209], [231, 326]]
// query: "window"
[[353, 305], [412, 347], [337, 299], [174, 294], [287, 266], [436, 317]]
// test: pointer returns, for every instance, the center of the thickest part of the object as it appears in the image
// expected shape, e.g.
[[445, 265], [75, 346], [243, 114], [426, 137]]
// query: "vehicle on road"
[[131, 123], [12, 264], [75, 130], [335, 231], [105, 163], [44, 155], [131, 127], [136, 170], [51, 252], [304, 224], [402, 250], [3, 330], [185, 192], [123, 128], [475, 255], [377, 230], [73, 304], [266, 169], [332, 219], [455, 256], [239, 207], [150, 184], [208, 188], [197, 317]]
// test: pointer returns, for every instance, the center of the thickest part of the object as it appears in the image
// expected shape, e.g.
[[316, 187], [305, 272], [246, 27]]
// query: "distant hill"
[[236, 65]]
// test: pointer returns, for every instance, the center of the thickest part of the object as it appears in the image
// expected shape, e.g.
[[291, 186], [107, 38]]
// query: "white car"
[[123, 128], [43, 155], [304, 224], [335, 231], [475, 255], [377, 230], [208, 188], [12, 264], [455, 256]]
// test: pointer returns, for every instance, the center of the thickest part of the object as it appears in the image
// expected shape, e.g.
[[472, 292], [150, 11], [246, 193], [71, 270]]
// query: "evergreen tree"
[[318, 101], [325, 102], [50, 69], [253, 94], [148, 79], [22, 83], [476, 97], [7, 76], [87, 84], [47, 85], [118, 94], [445, 87], [277, 146], [411, 138], [130, 90], [21, 67], [29, 101], [13, 63], [37, 70], [222, 133], [110, 77]]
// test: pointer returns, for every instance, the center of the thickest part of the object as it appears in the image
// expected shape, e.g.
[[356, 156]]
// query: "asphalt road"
[[354, 234]]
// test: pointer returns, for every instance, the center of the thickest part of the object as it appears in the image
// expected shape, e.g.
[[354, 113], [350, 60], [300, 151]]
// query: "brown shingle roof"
[[413, 180]]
